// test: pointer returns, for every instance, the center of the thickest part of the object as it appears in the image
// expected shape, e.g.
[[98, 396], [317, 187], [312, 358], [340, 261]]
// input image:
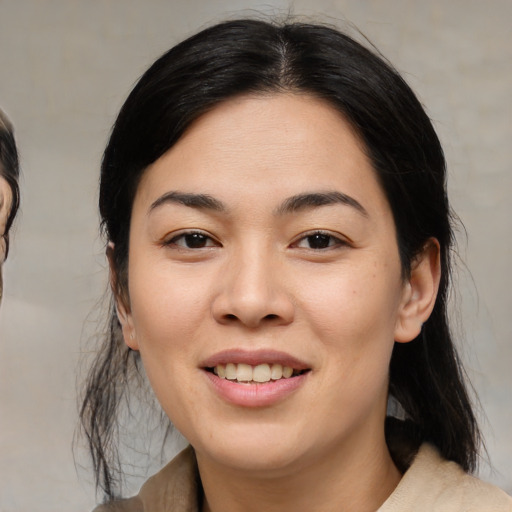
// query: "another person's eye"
[[192, 240], [319, 240]]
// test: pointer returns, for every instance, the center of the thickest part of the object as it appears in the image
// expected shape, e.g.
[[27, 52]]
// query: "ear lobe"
[[121, 303], [125, 319], [420, 293]]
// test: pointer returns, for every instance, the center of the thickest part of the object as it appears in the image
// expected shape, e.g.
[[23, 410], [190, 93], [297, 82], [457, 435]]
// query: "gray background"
[[67, 65]]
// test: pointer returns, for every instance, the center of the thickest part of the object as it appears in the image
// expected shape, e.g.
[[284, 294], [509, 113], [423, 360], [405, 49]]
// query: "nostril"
[[232, 317]]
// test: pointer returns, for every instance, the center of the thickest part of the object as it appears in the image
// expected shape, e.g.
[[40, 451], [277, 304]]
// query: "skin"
[[258, 281], [5, 208]]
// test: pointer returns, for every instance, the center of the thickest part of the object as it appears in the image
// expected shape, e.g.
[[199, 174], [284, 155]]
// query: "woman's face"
[[261, 244], [5, 208]]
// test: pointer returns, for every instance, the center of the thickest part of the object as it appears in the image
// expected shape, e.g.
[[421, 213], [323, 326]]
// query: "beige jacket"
[[430, 484]]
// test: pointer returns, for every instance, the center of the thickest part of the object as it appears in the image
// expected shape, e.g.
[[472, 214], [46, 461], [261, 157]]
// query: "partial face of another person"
[[5, 208], [265, 285]]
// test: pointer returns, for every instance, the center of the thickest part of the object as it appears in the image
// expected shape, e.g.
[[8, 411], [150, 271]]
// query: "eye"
[[192, 240], [319, 240]]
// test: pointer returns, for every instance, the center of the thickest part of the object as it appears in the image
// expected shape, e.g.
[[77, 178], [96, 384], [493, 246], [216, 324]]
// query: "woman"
[[279, 244], [9, 191]]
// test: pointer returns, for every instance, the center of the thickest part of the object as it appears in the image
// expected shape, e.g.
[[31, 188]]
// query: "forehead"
[[285, 140], [273, 122]]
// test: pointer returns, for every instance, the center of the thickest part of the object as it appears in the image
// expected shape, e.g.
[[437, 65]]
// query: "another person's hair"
[[9, 170], [249, 57]]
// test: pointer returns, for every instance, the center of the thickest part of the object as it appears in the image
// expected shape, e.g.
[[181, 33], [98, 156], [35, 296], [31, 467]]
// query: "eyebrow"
[[308, 201], [299, 202], [199, 201]]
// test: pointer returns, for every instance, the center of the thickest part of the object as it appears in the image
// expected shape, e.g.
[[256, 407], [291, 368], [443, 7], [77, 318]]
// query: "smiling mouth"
[[259, 374]]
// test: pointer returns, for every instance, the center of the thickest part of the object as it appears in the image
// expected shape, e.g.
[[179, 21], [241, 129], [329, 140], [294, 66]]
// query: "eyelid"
[[340, 239], [171, 238]]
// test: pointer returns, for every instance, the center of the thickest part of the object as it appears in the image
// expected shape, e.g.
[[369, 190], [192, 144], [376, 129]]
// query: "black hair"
[[258, 57], [9, 171]]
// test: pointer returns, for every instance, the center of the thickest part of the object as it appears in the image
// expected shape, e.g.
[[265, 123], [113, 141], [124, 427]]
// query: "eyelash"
[[337, 242], [208, 241], [200, 235]]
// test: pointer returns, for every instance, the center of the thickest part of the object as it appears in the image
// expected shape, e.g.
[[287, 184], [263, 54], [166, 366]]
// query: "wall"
[[67, 65]]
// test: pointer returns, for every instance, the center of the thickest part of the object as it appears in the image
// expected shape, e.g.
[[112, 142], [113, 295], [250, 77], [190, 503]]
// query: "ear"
[[420, 292], [122, 303]]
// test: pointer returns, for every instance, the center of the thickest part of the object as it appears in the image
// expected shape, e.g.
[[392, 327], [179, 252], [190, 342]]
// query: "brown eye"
[[318, 241], [193, 240]]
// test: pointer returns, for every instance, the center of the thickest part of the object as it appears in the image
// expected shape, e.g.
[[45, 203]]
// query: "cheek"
[[353, 313], [365, 301], [167, 312], [171, 312], [166, 300], [166, 317]]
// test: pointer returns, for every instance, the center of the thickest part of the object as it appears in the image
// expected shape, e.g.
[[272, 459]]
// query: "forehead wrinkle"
[[311, 200]]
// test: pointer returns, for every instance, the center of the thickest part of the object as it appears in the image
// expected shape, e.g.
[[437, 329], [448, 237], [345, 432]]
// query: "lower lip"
[[255, 395]]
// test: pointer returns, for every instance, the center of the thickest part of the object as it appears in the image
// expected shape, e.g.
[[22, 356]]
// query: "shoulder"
[[433, 483], [174, 488]]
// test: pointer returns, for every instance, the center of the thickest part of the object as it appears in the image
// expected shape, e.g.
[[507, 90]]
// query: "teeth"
[[287, 372], [220, 371], [261, 373], [246, 373], [230, 371], [276, 372]]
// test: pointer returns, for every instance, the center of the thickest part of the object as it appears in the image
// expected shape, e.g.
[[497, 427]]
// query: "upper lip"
[[254, 358]]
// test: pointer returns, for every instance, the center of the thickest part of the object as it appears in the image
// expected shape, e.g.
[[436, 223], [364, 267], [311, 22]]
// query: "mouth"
[[255, 378], [244, 373]]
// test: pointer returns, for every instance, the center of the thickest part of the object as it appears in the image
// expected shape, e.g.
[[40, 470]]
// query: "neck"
[[347, 479]]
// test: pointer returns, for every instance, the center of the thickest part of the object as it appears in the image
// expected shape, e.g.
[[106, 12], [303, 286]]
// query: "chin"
[[253, 449], [268, 460]]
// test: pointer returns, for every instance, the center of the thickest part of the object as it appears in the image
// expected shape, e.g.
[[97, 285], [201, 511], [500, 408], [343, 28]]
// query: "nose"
[[253, 292]]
